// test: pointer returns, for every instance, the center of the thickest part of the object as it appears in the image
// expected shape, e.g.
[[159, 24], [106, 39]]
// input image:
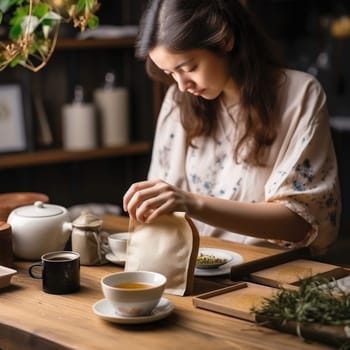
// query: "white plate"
[[114, 259], [344, 284], [6, 274], [223, 269], [223, 256], [104, 309]]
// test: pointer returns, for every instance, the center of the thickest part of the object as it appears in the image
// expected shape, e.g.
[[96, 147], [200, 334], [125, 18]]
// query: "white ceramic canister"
[[79, 129], [112, 104], [38, 229]]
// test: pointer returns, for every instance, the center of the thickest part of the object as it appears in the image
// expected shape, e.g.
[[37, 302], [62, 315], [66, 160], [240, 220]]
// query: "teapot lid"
[[87, 219], [39, 210]]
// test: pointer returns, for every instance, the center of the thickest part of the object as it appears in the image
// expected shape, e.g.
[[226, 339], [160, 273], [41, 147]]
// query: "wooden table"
[[32, 319]]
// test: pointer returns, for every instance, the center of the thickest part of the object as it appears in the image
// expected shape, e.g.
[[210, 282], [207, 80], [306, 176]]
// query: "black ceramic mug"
[[59, 271]]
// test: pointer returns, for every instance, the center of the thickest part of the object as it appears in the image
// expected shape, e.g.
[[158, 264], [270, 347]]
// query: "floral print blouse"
[[301, 171]]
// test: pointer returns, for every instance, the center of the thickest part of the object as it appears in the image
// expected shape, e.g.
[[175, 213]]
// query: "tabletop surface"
[[32, 319]]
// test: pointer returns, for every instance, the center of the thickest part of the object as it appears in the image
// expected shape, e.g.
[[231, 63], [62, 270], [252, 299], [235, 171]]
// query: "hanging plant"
[[34, 25]]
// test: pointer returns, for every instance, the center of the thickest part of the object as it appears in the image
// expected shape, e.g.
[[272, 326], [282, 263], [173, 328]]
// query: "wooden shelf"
[[21, 160], [76, 44]]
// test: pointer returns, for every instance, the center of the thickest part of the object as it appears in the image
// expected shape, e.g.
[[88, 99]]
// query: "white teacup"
[[118, 243], [133, 293]]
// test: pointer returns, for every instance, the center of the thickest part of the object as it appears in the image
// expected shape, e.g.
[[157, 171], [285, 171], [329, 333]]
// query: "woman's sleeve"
[[306, 177]]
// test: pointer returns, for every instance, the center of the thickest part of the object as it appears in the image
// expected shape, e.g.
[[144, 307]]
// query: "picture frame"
[[13, 118]]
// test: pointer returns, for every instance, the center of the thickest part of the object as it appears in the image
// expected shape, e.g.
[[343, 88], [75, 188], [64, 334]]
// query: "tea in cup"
[[118, 243], [59, 271], [133, 293]]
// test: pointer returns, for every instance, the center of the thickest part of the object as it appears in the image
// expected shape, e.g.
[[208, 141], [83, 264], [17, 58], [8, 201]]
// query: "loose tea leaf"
[[317, 300], [206, 259]]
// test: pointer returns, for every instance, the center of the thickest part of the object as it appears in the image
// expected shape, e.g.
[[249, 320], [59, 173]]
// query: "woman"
[[242, 145]]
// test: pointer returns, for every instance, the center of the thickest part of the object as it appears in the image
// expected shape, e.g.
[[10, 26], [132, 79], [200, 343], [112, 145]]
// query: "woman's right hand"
[[146, 200]]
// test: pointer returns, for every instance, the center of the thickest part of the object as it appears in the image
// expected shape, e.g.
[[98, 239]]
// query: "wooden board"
[[241, 271], [237, 300], [295, 271]]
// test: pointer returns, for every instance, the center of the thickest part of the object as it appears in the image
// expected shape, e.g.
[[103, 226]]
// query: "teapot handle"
[[67, 227]]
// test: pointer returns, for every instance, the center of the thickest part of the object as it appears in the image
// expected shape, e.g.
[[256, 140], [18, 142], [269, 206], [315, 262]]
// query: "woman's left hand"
[[146, 200]]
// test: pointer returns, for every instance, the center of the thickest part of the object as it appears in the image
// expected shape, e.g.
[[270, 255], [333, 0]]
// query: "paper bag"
[[169, 246]]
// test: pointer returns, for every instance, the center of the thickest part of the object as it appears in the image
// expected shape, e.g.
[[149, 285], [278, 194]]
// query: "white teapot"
[[38, 229]]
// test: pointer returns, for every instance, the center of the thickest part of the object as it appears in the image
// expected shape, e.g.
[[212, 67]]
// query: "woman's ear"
[[229, 44]]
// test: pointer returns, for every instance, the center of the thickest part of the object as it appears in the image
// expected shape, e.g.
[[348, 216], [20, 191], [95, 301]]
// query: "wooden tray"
[[293, 272], [239, 299], [236, 300]]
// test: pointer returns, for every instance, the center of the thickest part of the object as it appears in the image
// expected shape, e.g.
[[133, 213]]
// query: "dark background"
[[298, 26]]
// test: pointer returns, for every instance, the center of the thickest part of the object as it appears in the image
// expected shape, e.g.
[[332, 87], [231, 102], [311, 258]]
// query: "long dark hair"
[[181, 25]]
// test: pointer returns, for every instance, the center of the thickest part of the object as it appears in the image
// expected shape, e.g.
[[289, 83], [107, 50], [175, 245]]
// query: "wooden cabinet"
[[102, 174]]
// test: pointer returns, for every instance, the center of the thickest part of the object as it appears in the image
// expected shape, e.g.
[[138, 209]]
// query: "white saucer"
[[114, 259], [104, 309], [342, 283], [223, 269]]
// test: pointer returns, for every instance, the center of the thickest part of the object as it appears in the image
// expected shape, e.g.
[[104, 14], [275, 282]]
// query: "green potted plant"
[[33, 28]]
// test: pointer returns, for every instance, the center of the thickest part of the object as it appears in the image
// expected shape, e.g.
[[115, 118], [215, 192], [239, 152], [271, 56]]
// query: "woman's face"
[[199, 72]]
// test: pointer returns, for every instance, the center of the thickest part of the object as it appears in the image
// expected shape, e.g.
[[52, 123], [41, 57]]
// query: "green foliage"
[[317, 300], [6, 4], [93, 22], [30, 31], [40, 10], [314, 301]]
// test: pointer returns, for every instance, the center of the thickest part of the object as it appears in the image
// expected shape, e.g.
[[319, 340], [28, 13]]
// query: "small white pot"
[[38, 229]]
